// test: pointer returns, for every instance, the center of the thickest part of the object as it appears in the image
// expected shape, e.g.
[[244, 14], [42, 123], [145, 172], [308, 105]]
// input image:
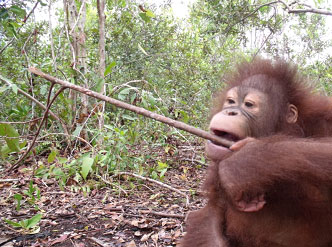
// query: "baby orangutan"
[[273, 187]]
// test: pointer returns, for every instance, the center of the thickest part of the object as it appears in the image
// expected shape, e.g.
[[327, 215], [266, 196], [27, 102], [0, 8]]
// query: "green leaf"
[[9, 131], [145, 17], [162, 165], [33, 221], [18, 11], [43, 89], [86, 166], [6, 79], [133, 97], [13, 223], [3, 13], [154, 175], [3, 89], [42, 3], [31, 188], [51, 157], [185, 117], [128, 117], [123, 93], [108, 69], [14, 88], [77, 130], [122, 3], [10, 28], [13, 144], [4, 151], [99, 84], [58, 172], [149, 13], [38, 193], [18, 198], [162, 173]]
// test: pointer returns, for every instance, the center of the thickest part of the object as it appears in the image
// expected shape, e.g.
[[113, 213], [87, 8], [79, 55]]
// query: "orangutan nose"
[[231, 112]]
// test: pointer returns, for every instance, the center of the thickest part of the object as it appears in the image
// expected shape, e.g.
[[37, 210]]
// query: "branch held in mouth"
[[138, 110]]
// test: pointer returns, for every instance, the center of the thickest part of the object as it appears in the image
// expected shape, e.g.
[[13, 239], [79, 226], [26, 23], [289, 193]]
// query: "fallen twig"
[[8, 180], [156, 182], [180, 216], [99, 242]]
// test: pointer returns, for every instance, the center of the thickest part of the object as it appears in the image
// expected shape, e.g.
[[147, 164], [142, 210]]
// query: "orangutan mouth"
[[225, 135]]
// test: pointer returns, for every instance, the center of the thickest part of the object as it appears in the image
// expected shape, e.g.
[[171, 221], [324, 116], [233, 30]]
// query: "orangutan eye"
[[230, 101], [248, 104]]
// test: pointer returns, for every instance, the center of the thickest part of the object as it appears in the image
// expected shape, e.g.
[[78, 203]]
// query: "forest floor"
[[141, 213]]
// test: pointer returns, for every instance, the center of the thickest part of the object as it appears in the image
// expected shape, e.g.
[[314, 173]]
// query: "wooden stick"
[[156, 182], [138, 110]]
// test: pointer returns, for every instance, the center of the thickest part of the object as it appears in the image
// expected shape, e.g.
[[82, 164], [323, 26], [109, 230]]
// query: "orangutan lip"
[[225, 135]]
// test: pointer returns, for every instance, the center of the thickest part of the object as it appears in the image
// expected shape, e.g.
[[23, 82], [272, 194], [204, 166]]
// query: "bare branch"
[[53, 115], [9, 180], [24, 122], [138, 110], [126, 84], [77, 137], [180, 216], [307, 9], [156, 182], [50, 29], [78, 17], [38, 131]]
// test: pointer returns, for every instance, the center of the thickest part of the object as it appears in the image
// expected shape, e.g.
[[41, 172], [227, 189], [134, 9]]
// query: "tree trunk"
[[101, 14], [76, 23]]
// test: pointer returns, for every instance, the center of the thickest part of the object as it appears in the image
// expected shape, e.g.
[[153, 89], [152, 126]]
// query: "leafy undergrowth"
[[137, 213]]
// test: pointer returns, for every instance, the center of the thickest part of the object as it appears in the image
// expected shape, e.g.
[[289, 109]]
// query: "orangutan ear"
[[292, 114]]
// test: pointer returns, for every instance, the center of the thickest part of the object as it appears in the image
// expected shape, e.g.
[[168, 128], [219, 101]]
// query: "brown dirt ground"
[[141, 213]]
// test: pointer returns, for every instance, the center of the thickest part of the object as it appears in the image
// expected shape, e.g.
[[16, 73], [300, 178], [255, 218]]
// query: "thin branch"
[[53, 115], [156, 182], [48, 100], [99, 242], [78, 17], [32, 99], [7, 180], [138, 110], [27, 40], [312, 10], [83, 124], [245, 17], [290, 10], [308, 9], [116, 88], [50, 29], [107, 182], [24, 122], [264, 42], [77, 137], [38, 131], [25, 20], [180, 216]]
